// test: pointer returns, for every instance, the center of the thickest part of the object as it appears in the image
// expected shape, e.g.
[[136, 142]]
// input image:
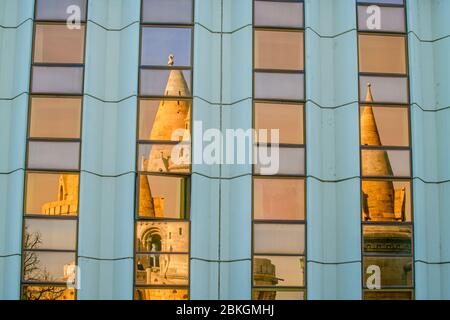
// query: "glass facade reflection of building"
[[96, 114]]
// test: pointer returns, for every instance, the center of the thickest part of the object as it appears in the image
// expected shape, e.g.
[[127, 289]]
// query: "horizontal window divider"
[[49, 250], [53, 171], [58, 65], [386, 255], [428, 40], [55, 95], [291, 222], [299, 255], [154, 97], [29, 283], [279, 288], [385, 104], [279, 71], [16, 26], [28, 216], [161, 220], [169, 68], [384, 148], [39, 139], [280, 101], [161, 286], [56, 22], [145, 24], [390, 288], [162, 142], [374, 3], [165, 174], [293, 176], [385, 75], [390, 178], [384, 33], [387, 223], [278, 28], [347, 104], [281, 145], [162, 252]]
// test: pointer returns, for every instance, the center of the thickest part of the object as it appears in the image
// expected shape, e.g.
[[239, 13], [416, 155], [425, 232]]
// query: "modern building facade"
[[105, 107]]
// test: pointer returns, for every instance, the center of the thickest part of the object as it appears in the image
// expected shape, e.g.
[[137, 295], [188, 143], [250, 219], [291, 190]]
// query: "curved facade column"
[[16, 30], [332, 124], [429, 45], [105, 249]]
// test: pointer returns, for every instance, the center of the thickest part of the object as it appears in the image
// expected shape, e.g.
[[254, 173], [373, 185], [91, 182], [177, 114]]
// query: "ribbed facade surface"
[[221, 195]]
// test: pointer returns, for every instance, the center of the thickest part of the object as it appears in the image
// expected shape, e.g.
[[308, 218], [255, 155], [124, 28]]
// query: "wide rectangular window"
[[60, 10], [279, 238], [167, 11], [385, 163], [390, 19], [53, 155], [57, 80], [281, 86], [283, 271], [165, 83], [50, 234], [164, 237], [291, 161], [387, 239], [278, 13], [384, 89]]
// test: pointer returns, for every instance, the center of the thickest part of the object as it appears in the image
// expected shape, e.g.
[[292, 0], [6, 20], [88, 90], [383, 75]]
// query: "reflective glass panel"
[[167, 11], [39, 266], [395, 271], [152, 236], [47, 293], [281, 271], [165, 158], [279, 14], [161, 294], [53, 155], [386, 239], [56, 80], [60, 9], [174, 83], [386, 163], [50, 234], [279, 238], [162, 269], [284, 86], [391, 19], [271, 294], [385, 89], [283, 161]]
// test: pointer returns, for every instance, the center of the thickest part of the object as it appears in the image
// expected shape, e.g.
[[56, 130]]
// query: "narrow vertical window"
[[162, 231], [279, 201], [52, 178], [386, 170]]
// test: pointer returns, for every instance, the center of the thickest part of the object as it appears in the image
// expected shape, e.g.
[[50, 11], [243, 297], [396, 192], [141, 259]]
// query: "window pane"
[[386, 200], [57, 80], [161, 294], [385, 163], [271, 294], [175, 83], [160, 119], [291, 161], [287, 118], [392, 19], [57, 9], [279, 199], [387, 239], [279, 238], [281, 50], [384, 126], [279, 13], [381, 1], [382, 54], [52, 194], [152, 236], [56, 43], [395, 272], [165, 158], [284, 86], [167, 11], [159, 43], [47, 293], [50, 234], [385, 89], [55, 117], [53, 155], [46, 266], [162, 197], [162, 269], [388, 295], [278, 271]]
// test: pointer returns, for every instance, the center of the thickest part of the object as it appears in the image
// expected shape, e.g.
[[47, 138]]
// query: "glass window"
[[161, 294], [172, 83], [391, 19], [39, 266], [392, 295], [395, 271], [165, 237], [160, 119], [59, 9], [382, 54], [279, 199], [283, 86], [385, 89], [53, 155], [385, 239], [279, 238], [283, 271], [279, 13], [55, 43], [50, 234], [163, 197], [162, 269], [392, 126], [386, 200], [167, 11], [291, 161], [271, 294], [53, 194], [159, 43], [282, 50], [67, 80], [287, 118], [47, 293], [55, 117], [165, 158], [400, 2], [385, 163]]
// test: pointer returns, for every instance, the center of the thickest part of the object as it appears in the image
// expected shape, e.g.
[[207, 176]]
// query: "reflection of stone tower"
[[67, 203], [171, 116], [381, 202], [264, 275]]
